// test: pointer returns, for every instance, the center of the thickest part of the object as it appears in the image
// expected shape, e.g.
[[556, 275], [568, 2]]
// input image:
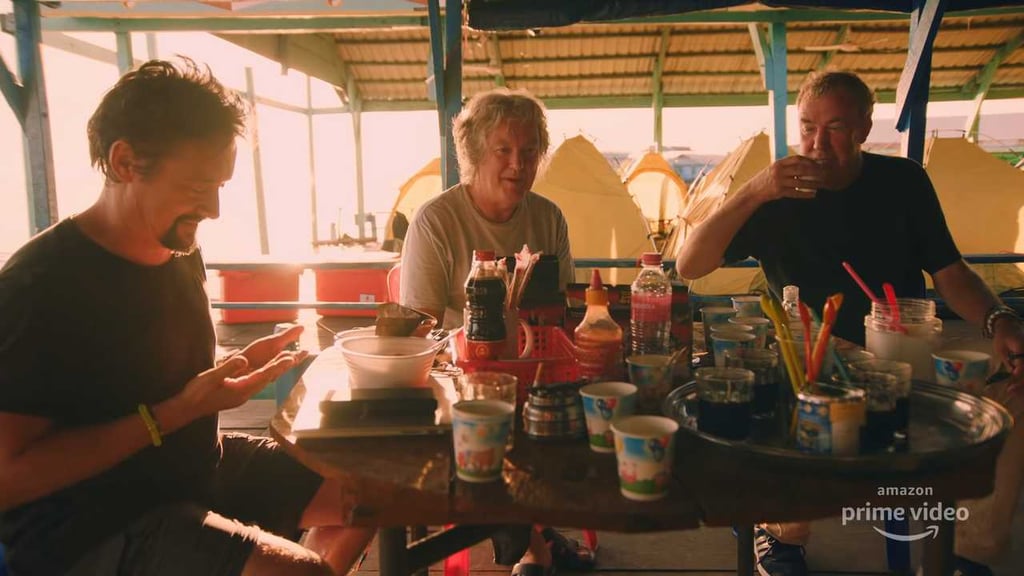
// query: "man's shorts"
[[258, 488]]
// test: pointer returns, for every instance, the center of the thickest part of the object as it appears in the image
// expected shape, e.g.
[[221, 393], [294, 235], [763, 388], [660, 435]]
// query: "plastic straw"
[[860, 282], [536, 375], [805, 319], [772, 308], [894, 308], [835, 356]]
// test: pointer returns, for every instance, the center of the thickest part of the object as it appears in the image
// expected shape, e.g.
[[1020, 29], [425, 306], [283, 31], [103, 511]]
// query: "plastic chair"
[[458, 564], [394, 282]]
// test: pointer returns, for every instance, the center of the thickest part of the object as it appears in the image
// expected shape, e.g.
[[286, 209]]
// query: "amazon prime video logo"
[[924, 513]]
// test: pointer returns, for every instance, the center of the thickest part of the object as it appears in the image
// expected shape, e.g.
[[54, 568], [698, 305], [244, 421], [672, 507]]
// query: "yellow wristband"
[[152, 425]]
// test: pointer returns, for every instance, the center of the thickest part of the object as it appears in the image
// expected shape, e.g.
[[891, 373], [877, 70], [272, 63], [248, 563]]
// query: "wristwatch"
[[995, 313]]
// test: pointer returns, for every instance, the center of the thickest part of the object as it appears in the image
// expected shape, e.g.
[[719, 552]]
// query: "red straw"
[[860, 282], [894, 308]]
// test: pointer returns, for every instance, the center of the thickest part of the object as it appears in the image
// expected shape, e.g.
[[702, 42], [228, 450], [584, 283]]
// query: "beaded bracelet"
[[995, 313]]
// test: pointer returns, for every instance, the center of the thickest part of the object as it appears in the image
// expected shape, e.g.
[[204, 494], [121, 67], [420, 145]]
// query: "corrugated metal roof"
[[705, 63]]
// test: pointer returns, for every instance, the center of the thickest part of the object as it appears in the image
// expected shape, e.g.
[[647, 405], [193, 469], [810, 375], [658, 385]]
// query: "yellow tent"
[[973, 187], [982, 198], [420, 187], [704, 198], [603, 220], [657, 190]]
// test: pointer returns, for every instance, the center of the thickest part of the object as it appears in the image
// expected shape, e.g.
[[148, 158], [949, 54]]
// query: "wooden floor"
[[834, 549]]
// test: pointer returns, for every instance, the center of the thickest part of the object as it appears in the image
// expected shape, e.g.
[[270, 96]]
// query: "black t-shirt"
[[85, 337], [888, 225]]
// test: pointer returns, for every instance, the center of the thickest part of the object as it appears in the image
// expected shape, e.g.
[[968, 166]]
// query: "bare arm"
[[37, 459], [965, 292], [969, 296], [703, 250]]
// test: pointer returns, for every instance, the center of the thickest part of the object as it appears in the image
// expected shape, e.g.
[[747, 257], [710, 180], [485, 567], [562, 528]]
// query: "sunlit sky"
[[395, 144]]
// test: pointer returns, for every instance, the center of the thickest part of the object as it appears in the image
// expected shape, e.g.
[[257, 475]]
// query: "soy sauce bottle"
[[484, 315]]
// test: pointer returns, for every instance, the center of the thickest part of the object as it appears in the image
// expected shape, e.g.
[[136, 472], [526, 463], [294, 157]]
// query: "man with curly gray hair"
[[500, 138]]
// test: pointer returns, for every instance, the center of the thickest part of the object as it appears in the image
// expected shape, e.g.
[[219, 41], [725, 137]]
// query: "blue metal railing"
[[1009, 258]]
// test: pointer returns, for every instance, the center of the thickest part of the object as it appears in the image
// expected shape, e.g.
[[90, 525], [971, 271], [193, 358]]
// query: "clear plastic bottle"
[[791, 302], [598, 337], [484, 314], [651, 308]]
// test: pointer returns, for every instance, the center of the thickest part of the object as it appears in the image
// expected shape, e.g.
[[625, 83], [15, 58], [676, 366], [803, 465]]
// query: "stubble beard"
[[176, 242]]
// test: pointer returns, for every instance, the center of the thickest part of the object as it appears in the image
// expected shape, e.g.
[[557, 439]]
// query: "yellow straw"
[[773, 309]]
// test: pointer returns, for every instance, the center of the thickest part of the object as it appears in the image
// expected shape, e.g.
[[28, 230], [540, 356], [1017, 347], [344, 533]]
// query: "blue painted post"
[[452, 85], [912, 90], [778, 89], [35, 115], [125, 58], [912, 110], [446, 68]]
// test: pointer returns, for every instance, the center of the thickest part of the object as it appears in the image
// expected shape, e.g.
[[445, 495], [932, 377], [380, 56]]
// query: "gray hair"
[[819, 83], [483, 113]]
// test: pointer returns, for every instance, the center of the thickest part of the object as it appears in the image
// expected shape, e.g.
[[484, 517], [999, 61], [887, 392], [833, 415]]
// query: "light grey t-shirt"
[[438, 250]]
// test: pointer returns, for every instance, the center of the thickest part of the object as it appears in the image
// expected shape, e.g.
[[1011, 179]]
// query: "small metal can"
[[553, 412], [829, 420]]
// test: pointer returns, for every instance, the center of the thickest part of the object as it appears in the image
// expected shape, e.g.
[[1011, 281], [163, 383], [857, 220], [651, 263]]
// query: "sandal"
[[568, 554], [530, 569]]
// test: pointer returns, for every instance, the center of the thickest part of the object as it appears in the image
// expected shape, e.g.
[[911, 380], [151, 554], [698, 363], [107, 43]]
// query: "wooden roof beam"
[[826, 57], [12, 90], [313, 54], [658, 99], [494, 58], [762, 50], [681, 100], [981, 83]]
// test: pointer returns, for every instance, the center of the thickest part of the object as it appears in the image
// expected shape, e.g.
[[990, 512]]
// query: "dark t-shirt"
[[888, 225], [85, 337]]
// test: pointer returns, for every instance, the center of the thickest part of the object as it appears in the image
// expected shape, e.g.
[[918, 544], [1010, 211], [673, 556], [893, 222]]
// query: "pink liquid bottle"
[[651, 308]]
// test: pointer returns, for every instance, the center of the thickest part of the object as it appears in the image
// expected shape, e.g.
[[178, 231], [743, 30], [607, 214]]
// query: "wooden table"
[[392, 483]]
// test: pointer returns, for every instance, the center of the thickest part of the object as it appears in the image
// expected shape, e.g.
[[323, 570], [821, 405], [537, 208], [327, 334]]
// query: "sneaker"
[[964, 567], [776, 558], [568, 554]]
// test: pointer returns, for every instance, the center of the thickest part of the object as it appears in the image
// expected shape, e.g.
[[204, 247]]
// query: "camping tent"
[[657, 190], [604, 222], [420, 187], [707, 196], [972, 185], [983, 200]]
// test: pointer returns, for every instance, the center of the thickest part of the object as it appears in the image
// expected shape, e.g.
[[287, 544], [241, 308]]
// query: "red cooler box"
[[260, 283], [352, 282]]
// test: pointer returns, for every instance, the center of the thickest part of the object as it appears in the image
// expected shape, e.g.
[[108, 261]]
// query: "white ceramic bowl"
[[383, 362]]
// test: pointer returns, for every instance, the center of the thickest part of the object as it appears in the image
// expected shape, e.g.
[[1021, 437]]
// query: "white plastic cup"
[[963, 369], [759, 324], [603, 403], [652, 376], [747, 306], [711, 315], [722, 341], [480, 430], [644, 449], [489, 386]]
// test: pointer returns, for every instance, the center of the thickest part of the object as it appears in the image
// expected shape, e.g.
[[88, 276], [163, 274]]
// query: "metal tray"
[[946, 426]]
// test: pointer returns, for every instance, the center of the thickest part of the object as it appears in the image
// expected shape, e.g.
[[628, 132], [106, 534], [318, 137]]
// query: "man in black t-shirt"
[[806, 214], [110, 458]]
